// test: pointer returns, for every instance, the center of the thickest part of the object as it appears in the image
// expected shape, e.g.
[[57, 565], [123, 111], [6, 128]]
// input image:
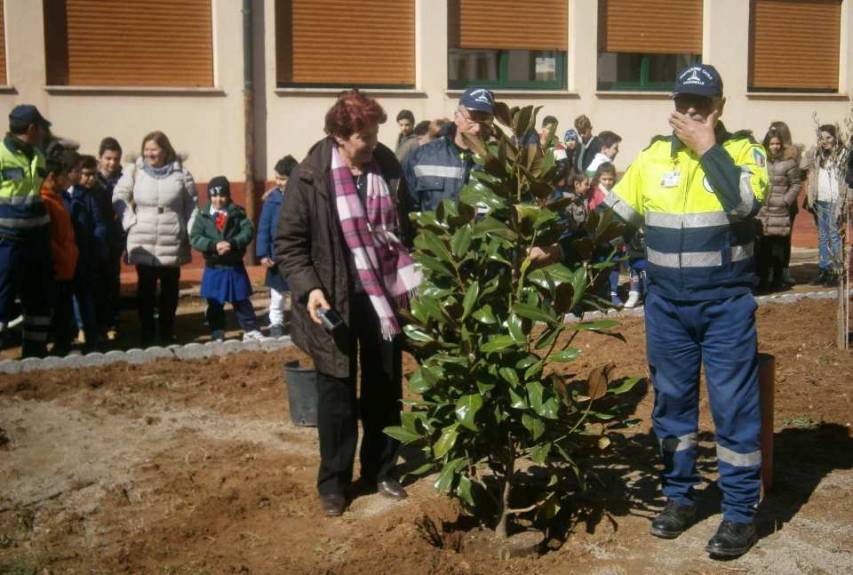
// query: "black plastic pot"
[[301, 394]]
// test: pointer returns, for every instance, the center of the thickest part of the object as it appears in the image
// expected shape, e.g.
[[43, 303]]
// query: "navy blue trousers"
[[680, 337], [25, 272]]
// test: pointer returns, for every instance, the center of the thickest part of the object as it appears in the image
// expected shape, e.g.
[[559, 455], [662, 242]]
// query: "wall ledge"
[[132, 91], [796, 96], [373, 92]]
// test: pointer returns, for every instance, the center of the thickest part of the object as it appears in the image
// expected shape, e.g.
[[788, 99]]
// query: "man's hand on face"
[[696, 133]]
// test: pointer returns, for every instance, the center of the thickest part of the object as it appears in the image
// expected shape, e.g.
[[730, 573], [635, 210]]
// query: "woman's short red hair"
[[353, 112]]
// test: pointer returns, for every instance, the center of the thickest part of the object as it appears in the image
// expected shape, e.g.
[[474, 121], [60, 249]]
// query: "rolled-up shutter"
[[651, 26], [345, 42], [3, 79], [794, 44], [509, 24], [129, 43]]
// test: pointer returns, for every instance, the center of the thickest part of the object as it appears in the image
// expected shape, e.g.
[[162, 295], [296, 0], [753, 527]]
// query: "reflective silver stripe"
[[622, 209], [701, 259], [684, 260], [20, 200], [679, 221], [743, 252], [747, 198], [672, 444], [726, 455], [25, 223], [662, 259], [439, 171], [37, 320]]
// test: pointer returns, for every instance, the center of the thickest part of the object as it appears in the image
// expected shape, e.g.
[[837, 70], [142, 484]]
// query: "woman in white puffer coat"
[[157, 201]]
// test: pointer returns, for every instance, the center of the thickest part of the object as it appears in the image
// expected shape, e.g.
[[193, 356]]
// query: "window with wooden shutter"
[[3, 79], [149, 43], [343, 43], [643, 43], [794, 45], [507, 44]]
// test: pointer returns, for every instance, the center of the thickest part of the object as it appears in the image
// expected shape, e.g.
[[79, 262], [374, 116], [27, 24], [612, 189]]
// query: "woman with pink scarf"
[[338, 247]]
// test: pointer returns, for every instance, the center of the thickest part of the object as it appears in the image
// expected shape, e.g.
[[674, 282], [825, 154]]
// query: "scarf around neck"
[[385, 269]]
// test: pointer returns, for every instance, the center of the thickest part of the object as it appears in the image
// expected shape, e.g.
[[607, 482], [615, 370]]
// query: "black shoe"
[[333, 504], [391, 488], [673, 520], [276, 330], [820, 279], [731, 540], [831, 280]]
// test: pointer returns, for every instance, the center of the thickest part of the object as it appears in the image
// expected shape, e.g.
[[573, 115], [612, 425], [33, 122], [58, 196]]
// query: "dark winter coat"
[[265, 242], [238, 232], [312, 253], [90, 230], [775, 214]]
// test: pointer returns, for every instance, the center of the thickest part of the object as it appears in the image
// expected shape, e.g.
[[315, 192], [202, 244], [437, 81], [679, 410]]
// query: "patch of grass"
[[800, 422]]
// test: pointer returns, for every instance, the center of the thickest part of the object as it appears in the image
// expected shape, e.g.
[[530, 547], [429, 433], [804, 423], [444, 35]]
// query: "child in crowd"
[[90, 231], [609, 150], [222, 232], [602, 182], [264, 248], [63, 246], [108, 286]]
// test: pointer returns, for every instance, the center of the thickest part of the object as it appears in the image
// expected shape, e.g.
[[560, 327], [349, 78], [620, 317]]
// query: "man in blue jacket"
[[437, 170]]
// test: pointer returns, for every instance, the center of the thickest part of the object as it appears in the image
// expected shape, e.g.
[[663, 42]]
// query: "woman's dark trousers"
[[167, 306], [339, 409]]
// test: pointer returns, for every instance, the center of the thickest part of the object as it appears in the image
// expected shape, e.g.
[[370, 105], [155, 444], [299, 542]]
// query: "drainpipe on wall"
[[249, 121]]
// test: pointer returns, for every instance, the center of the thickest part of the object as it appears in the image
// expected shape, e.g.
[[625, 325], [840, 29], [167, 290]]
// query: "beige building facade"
[[208, 122]]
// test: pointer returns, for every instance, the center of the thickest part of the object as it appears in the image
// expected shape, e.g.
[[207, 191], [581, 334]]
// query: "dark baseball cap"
[[699, 80], [478, 99], [219, 186], [26, 114]]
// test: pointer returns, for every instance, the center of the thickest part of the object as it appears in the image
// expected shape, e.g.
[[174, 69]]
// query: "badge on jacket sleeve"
[[13, 174], [670, 179], [759, 157]]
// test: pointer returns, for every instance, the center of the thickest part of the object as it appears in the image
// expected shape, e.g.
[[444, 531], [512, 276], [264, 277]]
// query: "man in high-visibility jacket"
[[695, 193], [25, 268]]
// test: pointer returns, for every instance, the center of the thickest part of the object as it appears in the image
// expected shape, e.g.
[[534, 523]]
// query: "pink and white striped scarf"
[[385, 269]]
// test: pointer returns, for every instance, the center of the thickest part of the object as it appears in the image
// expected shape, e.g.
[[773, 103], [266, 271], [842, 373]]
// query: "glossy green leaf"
[[417, 334], [516, 400], [533, 312], [565, 356], [534, 394], [497, 343], [401, 434], [471, 295], [534, 425], [435, 245], [539, 454], [463, 490], [509, 375], [598, 325], [446, 442], [448, 474], [626, 386], [467, 407], [485, 315], [461, 241]]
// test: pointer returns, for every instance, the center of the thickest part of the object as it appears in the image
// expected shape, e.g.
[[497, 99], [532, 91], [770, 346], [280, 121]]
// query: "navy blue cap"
[[26, 114], [699, 80], [571, 134], [478, 99], [219, 186]]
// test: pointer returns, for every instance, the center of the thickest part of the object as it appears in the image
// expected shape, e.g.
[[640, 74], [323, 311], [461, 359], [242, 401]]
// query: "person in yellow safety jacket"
[[25, 268], [695, 193]]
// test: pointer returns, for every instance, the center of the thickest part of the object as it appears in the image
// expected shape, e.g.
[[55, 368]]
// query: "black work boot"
[[731, 540], [673, 520]]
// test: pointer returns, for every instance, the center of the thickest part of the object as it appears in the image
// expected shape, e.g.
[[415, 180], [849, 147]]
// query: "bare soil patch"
[[194, 468]]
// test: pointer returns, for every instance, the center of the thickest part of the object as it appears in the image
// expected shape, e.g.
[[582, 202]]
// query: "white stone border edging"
[[138, 356], [218, 348]]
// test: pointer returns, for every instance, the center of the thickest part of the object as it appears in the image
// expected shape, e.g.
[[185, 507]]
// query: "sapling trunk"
[[506, 492]]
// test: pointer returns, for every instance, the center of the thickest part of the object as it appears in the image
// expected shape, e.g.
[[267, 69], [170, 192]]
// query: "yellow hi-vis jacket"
[[697, 213], [22, 212]]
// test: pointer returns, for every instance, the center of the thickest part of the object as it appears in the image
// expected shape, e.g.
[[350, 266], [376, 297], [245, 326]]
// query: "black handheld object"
[[331, 319]]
